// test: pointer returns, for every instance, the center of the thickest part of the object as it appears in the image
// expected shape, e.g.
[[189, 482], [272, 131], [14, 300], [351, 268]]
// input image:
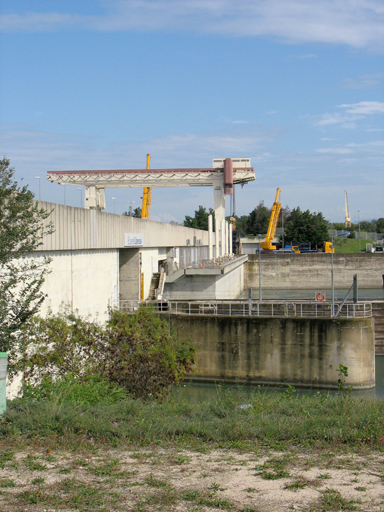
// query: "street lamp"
[[359, 233], [131, 203], [282, 224], [63, 185], [346, 233], [81, 196], [114, 204], [38, 178], [260, 297]]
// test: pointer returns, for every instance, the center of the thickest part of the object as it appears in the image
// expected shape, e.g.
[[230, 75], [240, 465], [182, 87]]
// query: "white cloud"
[[364, 82], [364, 108], [335, 151], [351, 113], [358, 23], [307, 56]]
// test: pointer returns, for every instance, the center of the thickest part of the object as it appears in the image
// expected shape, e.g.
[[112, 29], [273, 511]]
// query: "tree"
[[380, 225], [200, 220], [21, 277], [136, 213], [258, 220], [306, 227]]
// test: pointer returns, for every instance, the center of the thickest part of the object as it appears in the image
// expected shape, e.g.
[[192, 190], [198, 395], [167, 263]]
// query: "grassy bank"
[[275, 420], [350, 245]]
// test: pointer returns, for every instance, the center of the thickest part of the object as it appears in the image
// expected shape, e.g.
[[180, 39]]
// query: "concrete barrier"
[[301, 352], [306, 271]]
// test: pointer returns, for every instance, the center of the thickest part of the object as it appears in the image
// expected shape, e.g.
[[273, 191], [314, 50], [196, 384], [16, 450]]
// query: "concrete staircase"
[[154, 285], [378, 315]]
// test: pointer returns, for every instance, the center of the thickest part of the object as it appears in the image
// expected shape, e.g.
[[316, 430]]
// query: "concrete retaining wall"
[[85, 280], [301, 352], [298, 271], [208, 284]]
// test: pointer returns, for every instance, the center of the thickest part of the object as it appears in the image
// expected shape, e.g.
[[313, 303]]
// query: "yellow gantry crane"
[[147, 196], [267, 244]]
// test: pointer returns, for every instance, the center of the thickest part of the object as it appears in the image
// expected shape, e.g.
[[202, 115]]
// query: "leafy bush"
[[137, 352], [143, 355]]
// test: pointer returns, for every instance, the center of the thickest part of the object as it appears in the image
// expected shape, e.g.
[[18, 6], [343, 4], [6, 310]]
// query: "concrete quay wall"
[[313, 270], [301, 352]]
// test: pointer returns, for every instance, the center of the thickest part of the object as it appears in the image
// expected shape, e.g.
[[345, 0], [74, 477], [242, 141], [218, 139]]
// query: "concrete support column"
[[230, 238], [210, 234], [217, 237], [223, 240]]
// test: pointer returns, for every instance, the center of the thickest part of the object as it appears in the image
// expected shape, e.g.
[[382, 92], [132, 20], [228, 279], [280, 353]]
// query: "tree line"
[[299, 226]]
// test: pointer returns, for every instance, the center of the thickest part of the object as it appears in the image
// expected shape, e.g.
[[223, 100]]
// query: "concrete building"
[[100, 258]]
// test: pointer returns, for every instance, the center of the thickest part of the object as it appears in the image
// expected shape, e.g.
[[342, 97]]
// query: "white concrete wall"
[[226, 286], [78, 228], [232, 286], [85, 280]]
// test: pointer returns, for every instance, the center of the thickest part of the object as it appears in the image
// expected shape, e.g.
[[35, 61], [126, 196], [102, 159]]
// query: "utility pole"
[[38, 178], [359, 233]]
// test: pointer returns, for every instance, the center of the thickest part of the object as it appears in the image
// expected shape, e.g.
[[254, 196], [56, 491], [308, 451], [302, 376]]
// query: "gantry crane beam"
[[130, 178]]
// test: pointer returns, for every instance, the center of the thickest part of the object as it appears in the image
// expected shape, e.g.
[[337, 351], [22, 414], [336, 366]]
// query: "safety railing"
[[290, 309]]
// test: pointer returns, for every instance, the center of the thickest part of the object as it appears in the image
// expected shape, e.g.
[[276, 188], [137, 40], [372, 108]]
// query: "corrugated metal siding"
[[78, 228]]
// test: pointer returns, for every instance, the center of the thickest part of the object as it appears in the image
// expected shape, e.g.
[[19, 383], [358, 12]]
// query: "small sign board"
[[133, 240], [320, 296]]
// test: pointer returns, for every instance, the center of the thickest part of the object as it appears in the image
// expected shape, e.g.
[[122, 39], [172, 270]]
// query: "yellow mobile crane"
[[267, 244], [147, 196]]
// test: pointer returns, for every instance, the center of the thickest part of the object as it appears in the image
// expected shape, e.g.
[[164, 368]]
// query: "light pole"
[[114, 204], [63, 185], [260, 297], [359, 233], [131, 203], [81, 196], [38, 178], [282, 224], [346, 233]]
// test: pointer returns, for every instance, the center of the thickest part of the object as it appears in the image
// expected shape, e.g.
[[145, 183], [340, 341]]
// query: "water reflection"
[[198, 391]]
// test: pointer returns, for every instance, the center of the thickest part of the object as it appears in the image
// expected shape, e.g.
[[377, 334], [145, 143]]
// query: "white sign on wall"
[[133, 240]]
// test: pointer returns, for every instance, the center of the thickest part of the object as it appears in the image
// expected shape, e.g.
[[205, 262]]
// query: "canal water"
[[198, 391]]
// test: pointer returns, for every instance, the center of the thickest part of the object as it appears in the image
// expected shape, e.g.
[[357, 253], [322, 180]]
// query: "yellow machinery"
[[328, 247], [267, 244], [147, 196], [145, 213]]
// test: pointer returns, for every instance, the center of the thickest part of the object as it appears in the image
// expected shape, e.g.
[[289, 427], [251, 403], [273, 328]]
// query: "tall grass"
[[269, 418]]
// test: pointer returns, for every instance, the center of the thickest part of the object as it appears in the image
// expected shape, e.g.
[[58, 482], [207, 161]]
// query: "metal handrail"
[[267, 309]]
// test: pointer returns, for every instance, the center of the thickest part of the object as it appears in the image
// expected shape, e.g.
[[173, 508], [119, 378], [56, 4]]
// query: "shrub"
[[137, 352], [143, 355]]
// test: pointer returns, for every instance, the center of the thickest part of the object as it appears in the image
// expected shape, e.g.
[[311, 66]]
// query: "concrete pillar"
[[217, 237], [230, 238], [222, 237], [210, 234]]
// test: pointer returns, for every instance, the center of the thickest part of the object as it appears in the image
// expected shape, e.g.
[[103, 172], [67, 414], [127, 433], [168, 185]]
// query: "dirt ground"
[[182, 480]]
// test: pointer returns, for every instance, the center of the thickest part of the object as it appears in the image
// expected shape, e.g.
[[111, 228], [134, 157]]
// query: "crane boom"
[[267, 244], [147, 196]]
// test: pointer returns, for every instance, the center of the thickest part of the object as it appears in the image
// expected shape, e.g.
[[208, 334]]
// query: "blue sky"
[[296, 86]]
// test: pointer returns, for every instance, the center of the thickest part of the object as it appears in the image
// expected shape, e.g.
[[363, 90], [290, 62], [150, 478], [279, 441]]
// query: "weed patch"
[[333, 500]]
